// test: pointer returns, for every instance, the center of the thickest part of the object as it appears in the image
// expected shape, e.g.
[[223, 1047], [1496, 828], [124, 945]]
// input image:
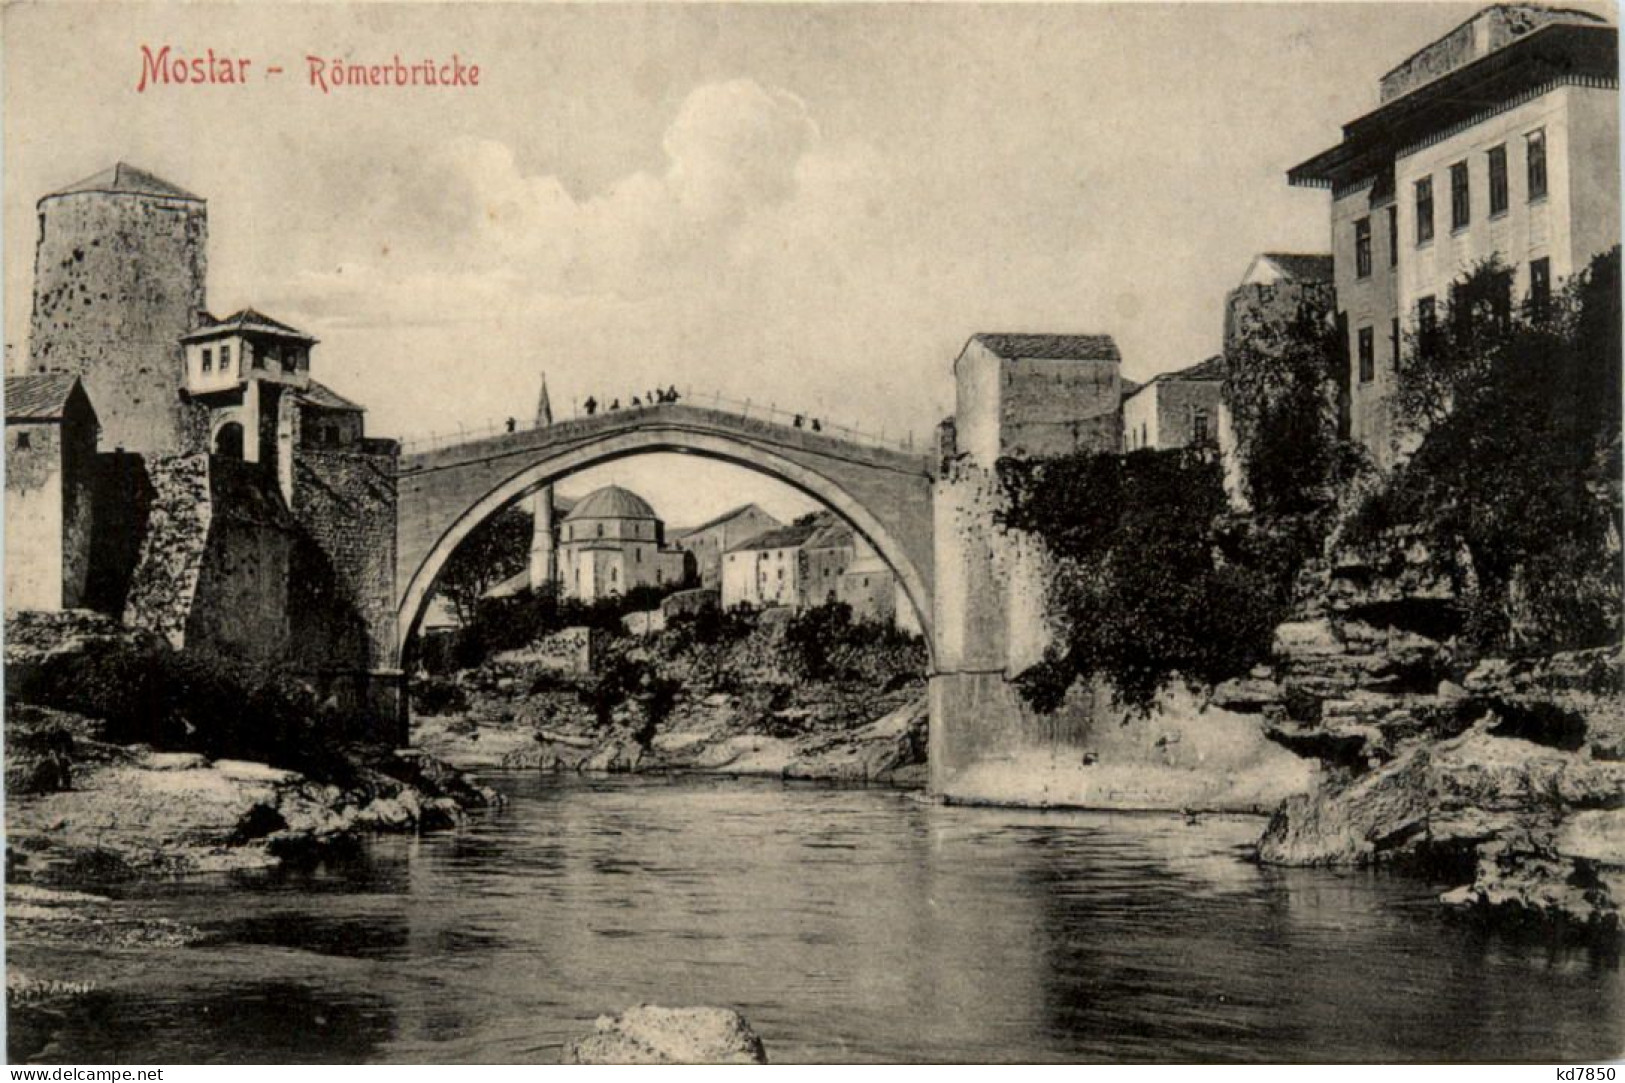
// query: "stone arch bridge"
[[444, 493]]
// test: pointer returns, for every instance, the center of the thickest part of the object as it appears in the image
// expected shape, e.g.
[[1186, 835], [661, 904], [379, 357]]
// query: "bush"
[[825, 643], [516, 621], [436, 695], [1152, 581], [197, 702]]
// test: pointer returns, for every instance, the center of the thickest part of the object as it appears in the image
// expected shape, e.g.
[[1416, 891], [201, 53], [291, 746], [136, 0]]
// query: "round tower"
[[119, 274]]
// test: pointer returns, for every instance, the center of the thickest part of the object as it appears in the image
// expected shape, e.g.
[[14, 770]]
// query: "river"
[[846, 924]]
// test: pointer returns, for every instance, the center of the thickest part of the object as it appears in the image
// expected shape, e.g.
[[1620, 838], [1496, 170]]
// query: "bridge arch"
[[902, 545]]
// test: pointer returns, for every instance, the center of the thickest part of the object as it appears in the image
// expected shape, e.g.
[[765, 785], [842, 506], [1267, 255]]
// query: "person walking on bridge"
[[671, 393], [591, 405]]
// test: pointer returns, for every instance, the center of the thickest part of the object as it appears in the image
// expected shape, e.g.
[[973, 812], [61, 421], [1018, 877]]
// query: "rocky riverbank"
[[870, 738], [737, 701], [91, 811], [86, 802], [1506, 776]]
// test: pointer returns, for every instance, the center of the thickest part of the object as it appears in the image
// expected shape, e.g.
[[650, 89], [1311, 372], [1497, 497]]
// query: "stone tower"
[[544, 560], [119, 274]]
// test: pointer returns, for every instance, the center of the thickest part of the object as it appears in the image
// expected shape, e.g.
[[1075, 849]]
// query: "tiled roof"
[[817, 530], [1051, 347], [785, 537], [832, 535], [127, 179], [1302, 267], [732, 513], [246, 320], [41, 396], [319, 394], [1211, 369]]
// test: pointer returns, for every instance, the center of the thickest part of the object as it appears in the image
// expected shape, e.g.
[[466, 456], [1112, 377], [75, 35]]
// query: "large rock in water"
[[1542, 829], [649, 1034]]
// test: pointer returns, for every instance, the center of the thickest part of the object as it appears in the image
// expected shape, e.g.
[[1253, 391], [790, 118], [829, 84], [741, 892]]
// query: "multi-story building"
[[712, 539], [794, 566], [1500, 138], [611, 543], [1175, 409]]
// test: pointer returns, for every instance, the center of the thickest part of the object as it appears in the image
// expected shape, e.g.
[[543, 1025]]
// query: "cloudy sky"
[[812, 205]]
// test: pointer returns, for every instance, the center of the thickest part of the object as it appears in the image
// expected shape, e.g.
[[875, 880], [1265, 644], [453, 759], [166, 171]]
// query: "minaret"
[[544, 569]]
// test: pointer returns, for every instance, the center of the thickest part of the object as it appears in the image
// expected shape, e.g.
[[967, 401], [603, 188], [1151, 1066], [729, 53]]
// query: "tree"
[[1281, 387], [1514, 412], [1144, 589], [495, 550]]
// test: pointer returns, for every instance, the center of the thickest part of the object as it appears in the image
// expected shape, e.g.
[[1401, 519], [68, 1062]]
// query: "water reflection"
[[847, 925]]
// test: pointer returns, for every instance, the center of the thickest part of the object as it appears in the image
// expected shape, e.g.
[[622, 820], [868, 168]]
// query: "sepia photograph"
[[812, 533]]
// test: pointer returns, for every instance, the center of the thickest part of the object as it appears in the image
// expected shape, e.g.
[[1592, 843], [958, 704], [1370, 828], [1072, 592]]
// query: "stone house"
[[873, 591], [1176, 409], [50, 485], [1036, 396], [710, 540], [795, 566]]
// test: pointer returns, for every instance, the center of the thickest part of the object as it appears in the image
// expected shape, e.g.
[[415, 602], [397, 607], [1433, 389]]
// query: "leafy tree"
[[1144, 589], [1281, 388], [495, 550], [1514, 414]]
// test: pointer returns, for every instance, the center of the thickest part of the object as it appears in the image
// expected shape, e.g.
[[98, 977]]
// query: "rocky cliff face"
[[1507, 775]]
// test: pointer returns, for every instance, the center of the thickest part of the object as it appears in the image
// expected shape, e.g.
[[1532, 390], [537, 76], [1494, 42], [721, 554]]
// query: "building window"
[[1461, 203], [290, 360], [1393, 342], [225, 358], [1498, 180], [1368, 356], [24, 442], [1427, 324], [1393, 235], [1540, 287], [1199, 431], [1362, 248], [258, 357], [1535, 147], [600, 530], [208, 360], [1424, 210]]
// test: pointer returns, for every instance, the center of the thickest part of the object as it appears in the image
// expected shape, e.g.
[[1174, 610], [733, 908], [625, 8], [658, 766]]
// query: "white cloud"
[[469, 228]]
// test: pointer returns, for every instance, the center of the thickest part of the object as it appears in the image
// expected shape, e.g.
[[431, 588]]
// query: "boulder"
[[649, 1034]]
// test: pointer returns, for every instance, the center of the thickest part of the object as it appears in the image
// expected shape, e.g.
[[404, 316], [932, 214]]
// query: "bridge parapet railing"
[[745, 408]]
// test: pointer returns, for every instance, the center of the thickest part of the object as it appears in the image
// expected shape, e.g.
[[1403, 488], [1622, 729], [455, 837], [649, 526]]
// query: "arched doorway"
[[228, 440]]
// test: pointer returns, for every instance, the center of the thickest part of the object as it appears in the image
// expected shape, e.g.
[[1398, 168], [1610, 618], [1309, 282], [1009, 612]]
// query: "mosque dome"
[[611, 502]]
